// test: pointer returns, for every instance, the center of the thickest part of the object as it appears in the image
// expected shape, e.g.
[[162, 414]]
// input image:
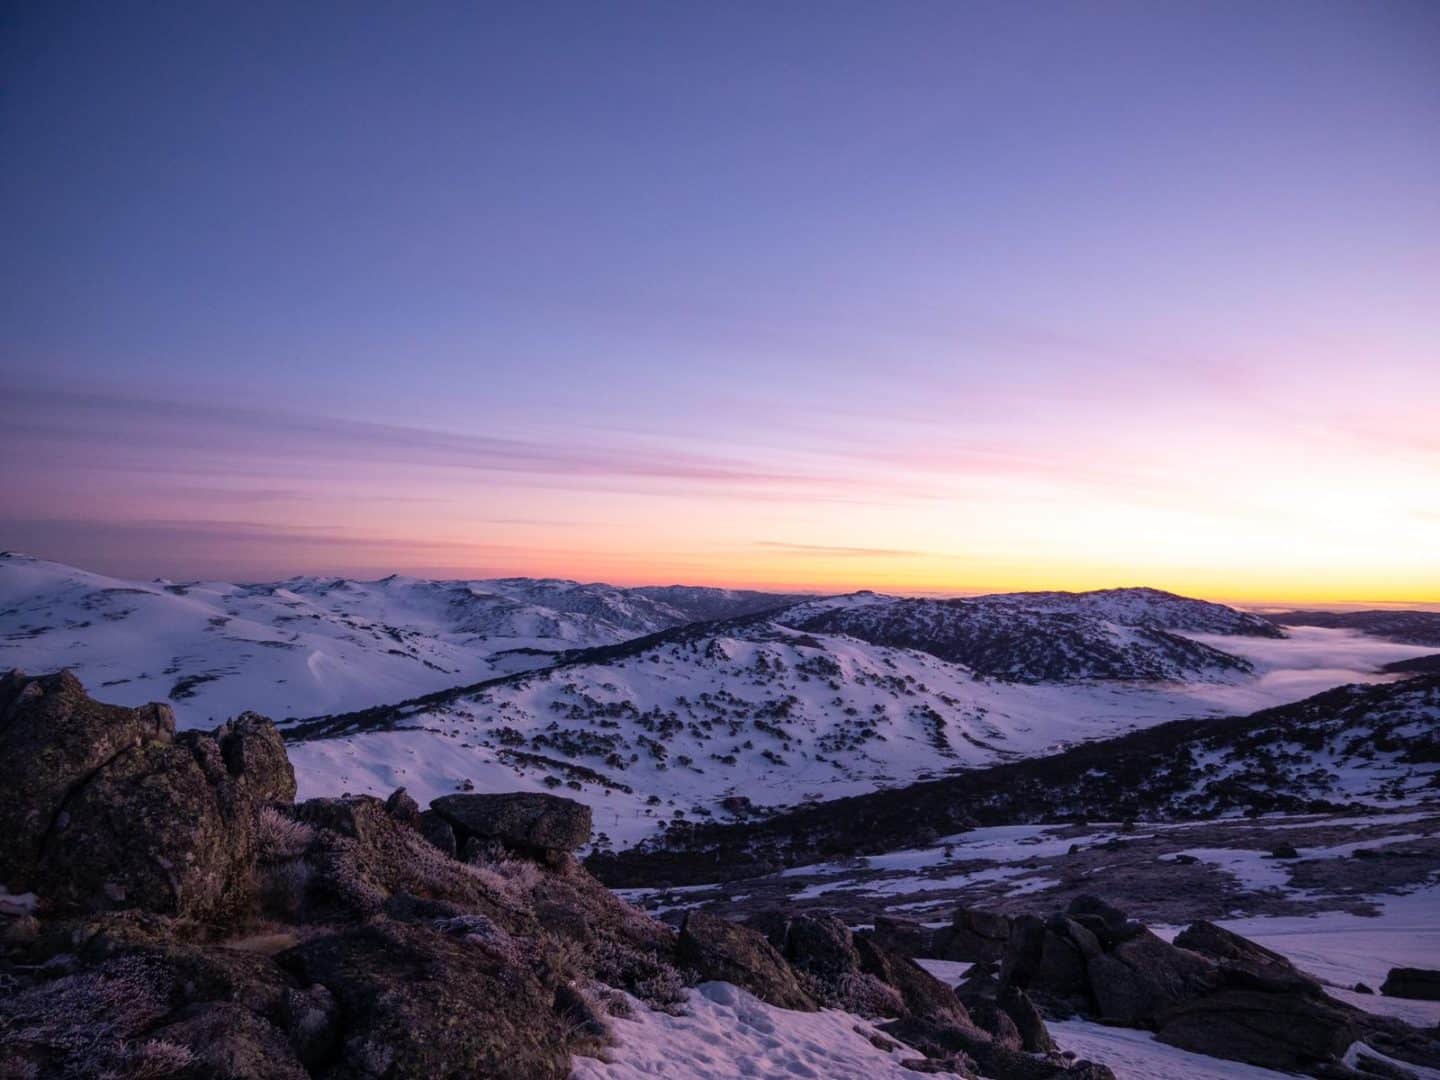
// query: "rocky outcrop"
[[1242, 961], [191, 921], [998, 1037], [1211, 992], [546, 826]]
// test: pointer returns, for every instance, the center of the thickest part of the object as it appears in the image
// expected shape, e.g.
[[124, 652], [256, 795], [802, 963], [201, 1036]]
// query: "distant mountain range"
[[1411, 627], [310, 645]]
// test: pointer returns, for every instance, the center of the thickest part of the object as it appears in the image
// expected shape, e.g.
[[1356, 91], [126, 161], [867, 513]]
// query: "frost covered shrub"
[[516, 876], [647, 975], [283, 885], [862, 993], [617, 1004], [665, 991], [522, 875], [157, 1058], [82, 1022], [280, 837]]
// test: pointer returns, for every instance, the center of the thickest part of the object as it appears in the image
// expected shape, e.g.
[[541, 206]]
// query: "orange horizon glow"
[[1246, 508]]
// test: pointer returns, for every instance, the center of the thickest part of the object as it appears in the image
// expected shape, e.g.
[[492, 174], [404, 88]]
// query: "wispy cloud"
[[842, 552], [128, 428]]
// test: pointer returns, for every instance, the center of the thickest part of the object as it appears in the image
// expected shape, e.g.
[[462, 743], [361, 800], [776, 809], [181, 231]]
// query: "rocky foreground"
[[170, 911]]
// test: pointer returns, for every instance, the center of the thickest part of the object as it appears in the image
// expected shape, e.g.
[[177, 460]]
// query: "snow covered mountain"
[[314, 645]]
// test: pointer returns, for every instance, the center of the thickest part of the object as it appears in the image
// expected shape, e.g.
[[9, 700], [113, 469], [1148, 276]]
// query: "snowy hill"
[[1048, 637], [1349, 748], [312, 645]]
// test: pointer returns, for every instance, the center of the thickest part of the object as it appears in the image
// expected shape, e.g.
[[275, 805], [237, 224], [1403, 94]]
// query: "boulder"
[[718, 949], [103, 807], [1108, 923], [253, 750], [1140, 977], [922, 995], [532, 824], [821, 945], [403, 808], [1418, 983], [989, 1017], [1034, 1036], [905, 936], [362, 858], [439, 832], [1242, 962], [1288, 1032], [973, 935], [1042, 958]]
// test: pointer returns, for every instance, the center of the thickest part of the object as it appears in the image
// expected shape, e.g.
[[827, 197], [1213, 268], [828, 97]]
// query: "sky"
[[927, 297]]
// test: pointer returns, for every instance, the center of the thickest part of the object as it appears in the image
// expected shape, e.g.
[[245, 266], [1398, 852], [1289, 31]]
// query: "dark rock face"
[[1277, 1031], [1141, 977], [984, 997], [1415, 983], [545, 825], [1242, 961], [403, 808], [53, 739], [439, 832], [152, 831], [821, 945], [103, 807], [1034, 1037], [253, 749], [719, 949]]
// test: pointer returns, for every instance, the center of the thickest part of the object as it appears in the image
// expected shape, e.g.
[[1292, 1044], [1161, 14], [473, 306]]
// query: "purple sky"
[[941, 296]]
